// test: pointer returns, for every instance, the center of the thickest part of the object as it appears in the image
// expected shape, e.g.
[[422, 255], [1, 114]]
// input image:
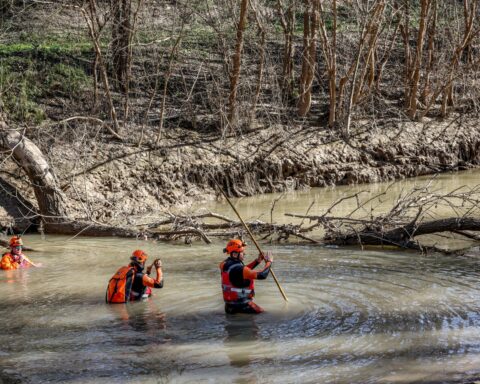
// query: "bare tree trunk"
[[329, 49], [261, 59], [128, 75], [373, 18], [446, 88], [466, 15], [309, 56], [121, 35], [51, 201], [95, 82], [237, 62], [370, 29], [403, 236], [405, 29], [414, 80], [287, 21], [469, 17], [431, 52]]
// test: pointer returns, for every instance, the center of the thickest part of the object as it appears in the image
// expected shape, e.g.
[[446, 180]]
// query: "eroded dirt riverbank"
[[119, 183]]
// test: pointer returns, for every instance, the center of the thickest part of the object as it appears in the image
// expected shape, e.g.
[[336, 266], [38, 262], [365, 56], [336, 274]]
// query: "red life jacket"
[[120, 285], [232, 293]]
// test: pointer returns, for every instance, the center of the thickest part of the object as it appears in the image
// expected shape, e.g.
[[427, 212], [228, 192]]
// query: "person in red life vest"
[[15, 259], [131, 283], [238, 278]]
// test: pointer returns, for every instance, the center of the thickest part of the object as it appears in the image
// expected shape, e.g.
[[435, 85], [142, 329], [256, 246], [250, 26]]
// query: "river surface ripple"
[[353, 316]]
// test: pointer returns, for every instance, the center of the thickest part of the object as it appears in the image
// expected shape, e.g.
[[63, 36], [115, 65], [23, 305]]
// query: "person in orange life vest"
[[238, 279], [143, 283], [15, 259]]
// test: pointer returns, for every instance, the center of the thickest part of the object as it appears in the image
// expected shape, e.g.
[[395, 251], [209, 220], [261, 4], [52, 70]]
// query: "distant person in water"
[[15, 259], [238, 278], [131, 283]]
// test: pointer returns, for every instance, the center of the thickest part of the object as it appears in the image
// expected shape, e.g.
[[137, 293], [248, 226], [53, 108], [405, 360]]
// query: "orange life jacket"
[[120, 285], [232, 293], [8, 262]]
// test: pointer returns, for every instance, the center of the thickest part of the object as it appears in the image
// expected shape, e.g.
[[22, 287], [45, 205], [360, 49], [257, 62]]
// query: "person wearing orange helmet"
[[143, 283], [238, 279], [15, 259], [131, 283]]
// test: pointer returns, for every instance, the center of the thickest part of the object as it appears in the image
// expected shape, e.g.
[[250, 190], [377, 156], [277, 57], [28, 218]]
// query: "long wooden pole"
[[253, 239]]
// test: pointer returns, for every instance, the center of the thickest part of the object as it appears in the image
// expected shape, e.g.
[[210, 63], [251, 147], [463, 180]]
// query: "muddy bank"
[[114, 183]]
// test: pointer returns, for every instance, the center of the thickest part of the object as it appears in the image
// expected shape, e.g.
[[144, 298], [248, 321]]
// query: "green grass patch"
[[46, 49], [25, 83], [34, 68]]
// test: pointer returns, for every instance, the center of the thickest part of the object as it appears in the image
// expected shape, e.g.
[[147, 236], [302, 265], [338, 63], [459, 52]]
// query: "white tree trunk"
[[51, 200]]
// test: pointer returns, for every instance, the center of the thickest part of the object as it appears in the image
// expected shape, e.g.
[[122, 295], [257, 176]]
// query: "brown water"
[[354, 316]]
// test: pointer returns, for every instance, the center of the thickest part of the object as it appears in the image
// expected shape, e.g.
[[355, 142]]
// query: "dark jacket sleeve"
[[262, 275]]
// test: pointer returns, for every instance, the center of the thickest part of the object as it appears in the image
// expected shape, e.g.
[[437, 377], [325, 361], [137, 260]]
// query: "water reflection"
[[240, 329], [142, 322]]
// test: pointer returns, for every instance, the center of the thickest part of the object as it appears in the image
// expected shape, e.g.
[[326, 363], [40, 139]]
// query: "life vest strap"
[[238, 290], [241, 290]]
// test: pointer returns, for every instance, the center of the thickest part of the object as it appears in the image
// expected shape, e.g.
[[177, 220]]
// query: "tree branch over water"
[[420, 211]]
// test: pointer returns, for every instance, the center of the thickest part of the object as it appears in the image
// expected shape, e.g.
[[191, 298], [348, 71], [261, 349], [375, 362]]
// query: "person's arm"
[[260, 275], [158, 281], [29, 262]]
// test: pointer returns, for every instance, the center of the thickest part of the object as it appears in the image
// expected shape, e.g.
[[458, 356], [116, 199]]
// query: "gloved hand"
[[268, 257], [157, 263]]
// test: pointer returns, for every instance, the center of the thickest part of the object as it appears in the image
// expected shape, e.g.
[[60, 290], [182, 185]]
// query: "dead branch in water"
[[414, 213], [187, 227]]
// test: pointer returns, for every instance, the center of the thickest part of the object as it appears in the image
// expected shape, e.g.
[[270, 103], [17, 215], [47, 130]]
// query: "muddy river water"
[[353, 316]]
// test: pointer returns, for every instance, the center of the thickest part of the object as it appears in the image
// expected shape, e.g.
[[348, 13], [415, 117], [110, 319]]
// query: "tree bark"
[[329, 49], [236, 63], [51, 200], [121, 36], [309, 57], [417, 65], [287, 21], [403, 236]]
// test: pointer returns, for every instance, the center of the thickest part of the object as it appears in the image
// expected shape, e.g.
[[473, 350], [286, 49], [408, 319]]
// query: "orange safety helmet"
[[16, 241], [235, 245], [139, 256]]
